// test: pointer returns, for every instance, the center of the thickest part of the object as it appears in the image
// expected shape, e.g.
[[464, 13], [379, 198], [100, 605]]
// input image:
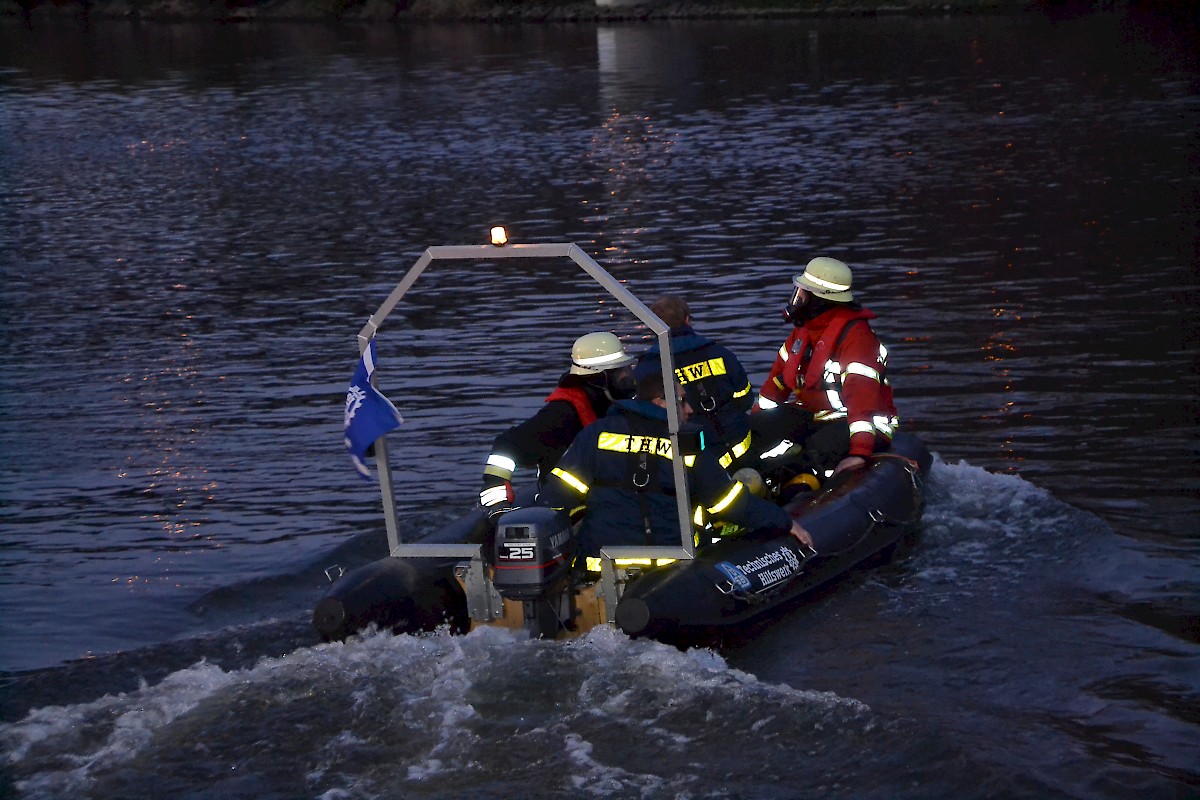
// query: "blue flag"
[[369, 414]]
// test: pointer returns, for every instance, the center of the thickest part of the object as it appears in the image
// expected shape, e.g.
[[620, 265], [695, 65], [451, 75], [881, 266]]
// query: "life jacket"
[[578, 398], [820, 386]]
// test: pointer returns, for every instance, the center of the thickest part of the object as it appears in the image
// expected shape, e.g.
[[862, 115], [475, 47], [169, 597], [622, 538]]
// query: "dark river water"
[[196, 221]]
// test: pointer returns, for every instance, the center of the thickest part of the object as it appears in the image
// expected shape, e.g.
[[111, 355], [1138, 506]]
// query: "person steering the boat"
[[713, 379], [828, 388], [601, 372], [618, 474]]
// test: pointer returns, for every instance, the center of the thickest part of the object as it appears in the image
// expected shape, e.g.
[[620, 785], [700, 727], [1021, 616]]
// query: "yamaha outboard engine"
[[532, 558]]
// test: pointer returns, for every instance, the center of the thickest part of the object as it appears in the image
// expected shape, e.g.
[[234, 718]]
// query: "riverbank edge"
[[488, 11]]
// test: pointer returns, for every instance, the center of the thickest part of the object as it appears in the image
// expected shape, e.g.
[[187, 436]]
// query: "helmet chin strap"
[[600, 381]]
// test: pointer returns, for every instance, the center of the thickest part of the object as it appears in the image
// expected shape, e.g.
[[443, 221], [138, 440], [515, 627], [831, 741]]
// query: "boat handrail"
[[504, 250]]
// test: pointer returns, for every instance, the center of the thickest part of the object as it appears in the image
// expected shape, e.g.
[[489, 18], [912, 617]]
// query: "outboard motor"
[[531, 560], [533, 553]]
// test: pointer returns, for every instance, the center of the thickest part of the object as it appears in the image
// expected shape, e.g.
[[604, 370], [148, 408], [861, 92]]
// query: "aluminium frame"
[[402, 549]]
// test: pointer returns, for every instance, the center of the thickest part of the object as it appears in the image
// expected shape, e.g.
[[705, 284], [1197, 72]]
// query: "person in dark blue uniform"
[[714, 381], [618, 471]]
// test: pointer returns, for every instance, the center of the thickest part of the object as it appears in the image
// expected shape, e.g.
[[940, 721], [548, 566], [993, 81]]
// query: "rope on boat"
[[876, 515]]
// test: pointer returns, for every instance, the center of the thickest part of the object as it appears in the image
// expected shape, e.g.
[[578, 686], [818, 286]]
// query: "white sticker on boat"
[[770, 568]]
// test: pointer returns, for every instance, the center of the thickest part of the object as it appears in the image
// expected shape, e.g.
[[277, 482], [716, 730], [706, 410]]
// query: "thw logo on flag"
[[369, 414]]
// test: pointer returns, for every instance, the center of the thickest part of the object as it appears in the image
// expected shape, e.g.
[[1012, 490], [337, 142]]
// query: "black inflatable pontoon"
[[522, 575]]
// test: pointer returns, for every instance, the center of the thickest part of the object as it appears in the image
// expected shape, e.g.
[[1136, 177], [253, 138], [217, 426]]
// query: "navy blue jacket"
[[631, 444], [714, 382]]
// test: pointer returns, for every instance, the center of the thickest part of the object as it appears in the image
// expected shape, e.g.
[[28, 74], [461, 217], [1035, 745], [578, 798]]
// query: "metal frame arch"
[[399, 548]]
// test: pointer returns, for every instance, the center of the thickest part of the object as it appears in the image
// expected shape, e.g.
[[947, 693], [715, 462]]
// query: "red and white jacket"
[[835, 367]]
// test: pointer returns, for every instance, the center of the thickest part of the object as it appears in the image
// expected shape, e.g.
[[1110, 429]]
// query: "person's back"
[[600, 373], [714, 382], [619, 469]]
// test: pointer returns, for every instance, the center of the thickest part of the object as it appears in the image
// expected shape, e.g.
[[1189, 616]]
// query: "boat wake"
[[428, 716], [982, 609]]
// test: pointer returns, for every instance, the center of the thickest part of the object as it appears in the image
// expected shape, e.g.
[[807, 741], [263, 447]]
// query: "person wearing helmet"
[[600, 373], [828, 387], [619, 473], [713, 379]]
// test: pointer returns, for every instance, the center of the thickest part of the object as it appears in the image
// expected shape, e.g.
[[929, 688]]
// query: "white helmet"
[[594, 353], [827, 278]]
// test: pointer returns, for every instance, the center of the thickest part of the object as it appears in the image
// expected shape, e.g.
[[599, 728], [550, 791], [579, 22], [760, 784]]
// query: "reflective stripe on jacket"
[[603, 468], [715, 384], [542, 439]]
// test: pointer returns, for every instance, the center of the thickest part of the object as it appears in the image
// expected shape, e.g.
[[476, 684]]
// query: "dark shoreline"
[[507, 11]]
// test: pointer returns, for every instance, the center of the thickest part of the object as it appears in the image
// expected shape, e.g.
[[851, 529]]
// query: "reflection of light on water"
[[174, 487], [606, 50], [1000, 349], [611, 315], [147, 146], [630, 149]]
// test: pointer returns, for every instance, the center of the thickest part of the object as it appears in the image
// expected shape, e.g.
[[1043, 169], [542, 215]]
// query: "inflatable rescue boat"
[[517, 569]]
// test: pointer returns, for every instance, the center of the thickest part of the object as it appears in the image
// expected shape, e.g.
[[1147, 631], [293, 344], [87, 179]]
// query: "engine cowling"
[[532, 553]]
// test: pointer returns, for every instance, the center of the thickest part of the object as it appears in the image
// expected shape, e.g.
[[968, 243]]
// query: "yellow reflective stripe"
[[736, 452], [500, 466], [824, 416], [624, 443], [570, 480], [728, 499], [861, 427], [765, 403], [700, 370], [698, 517], [863, 370], [742, 392], [592, 563], [783, 352], [655, 445]]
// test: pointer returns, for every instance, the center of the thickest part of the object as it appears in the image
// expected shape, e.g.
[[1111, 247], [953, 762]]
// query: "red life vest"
[[810, 367], [812, 388], [579, 399]]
